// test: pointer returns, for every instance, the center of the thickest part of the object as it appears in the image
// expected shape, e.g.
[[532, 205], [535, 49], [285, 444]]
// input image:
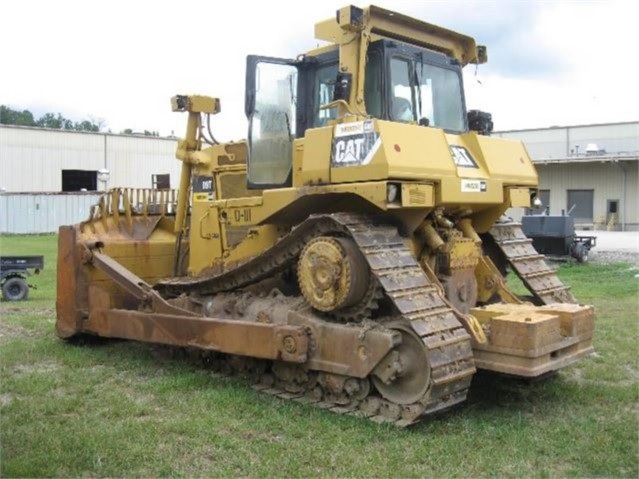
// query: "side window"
[[373, 91], [272, 124], [401, 105], [324, 86]]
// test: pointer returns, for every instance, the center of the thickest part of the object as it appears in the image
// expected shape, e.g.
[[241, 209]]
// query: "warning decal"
[[203, 188]]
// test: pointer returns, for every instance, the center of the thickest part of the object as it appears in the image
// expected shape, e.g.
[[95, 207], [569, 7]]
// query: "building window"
[[161, 182], [79, 180]]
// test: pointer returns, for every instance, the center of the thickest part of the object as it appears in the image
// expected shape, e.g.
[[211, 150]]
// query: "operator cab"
[[403, 83]]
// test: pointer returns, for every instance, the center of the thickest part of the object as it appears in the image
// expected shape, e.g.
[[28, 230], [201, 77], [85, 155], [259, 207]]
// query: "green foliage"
[[8, 116], [125, 409], [129, 131]]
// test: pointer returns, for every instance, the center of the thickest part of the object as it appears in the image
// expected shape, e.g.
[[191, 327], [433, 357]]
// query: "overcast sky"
[[550, 62]]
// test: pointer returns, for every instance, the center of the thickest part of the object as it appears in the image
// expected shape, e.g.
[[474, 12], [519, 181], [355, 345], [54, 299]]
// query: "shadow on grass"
[[494, 391]]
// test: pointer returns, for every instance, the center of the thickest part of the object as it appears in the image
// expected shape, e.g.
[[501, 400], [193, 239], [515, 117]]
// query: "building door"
[[612, 214], [580, 205]]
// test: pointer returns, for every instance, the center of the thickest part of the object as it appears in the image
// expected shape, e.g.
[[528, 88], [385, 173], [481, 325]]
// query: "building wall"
[[572, 141], [27, 213], [605, 179], [32, 159], [560, 156]]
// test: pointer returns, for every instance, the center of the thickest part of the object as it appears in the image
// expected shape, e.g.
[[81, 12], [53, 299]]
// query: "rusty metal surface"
[[417, 299], [345, 350], [265, 341], [307, 356], [529, 265], [69, 317]]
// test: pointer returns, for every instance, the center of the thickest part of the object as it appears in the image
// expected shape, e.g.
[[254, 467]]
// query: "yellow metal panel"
[[461, 191], [469, 143], [311, 162], [415, 195], [508, 160], [205, 242], [415, 152], [258, 240], [519, 197], [401, 27]]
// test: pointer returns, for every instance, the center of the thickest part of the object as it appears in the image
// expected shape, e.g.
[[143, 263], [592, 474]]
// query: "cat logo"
[[348, 151], [462, 157], [354, 144]]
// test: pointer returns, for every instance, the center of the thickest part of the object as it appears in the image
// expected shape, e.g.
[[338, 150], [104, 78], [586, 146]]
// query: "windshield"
[[420, 90]]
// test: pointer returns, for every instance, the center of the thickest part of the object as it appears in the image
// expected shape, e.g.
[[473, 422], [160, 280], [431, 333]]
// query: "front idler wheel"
[[403, 376]]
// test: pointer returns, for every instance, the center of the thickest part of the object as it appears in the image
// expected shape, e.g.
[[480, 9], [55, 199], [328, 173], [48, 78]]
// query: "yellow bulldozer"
[[352, 252]]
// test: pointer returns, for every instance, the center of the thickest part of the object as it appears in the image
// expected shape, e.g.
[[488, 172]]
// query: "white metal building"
[[43, 160], [589, 170], [50, 178]]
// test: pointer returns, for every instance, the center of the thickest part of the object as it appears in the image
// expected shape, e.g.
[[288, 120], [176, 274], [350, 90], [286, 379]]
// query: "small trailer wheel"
[[580, 252], [15, 289]]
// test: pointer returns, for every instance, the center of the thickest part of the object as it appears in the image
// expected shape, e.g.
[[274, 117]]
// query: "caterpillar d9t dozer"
[[351, 252]]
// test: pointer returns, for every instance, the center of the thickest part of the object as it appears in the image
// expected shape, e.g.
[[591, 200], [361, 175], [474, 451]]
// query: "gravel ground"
[[605, 257], [614, 246]]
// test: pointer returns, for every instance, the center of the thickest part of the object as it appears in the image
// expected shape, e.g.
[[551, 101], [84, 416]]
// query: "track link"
[[529, 265], [418, 301]]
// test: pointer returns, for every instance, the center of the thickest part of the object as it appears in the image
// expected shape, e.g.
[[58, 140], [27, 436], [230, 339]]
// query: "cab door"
[[271, 109]]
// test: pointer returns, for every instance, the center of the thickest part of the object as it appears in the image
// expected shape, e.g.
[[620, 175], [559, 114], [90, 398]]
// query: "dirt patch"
[[37, 368], [9, 332], [6, 399], [261, 435], [8, 308]]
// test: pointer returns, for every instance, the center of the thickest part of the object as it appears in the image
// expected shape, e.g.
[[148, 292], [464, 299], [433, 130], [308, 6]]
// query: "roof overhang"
[[573, 160]]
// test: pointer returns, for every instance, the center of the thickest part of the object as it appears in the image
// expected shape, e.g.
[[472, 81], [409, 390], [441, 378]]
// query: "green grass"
[[118, 408]]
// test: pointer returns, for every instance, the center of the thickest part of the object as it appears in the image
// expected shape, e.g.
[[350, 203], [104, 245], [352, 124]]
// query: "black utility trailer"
[[554, 235], [13, 275]]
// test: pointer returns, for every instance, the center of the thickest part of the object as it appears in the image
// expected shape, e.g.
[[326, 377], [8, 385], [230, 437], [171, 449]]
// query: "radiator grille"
[[233, 185]]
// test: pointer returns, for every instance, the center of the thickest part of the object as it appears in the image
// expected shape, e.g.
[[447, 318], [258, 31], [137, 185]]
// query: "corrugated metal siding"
[[562, 142], [606, 179], [43, 213], [31, 159], [549, 143], [132, 161]]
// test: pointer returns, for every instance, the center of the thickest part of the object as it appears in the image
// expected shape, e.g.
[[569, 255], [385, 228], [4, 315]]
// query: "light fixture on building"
[[103, 175]]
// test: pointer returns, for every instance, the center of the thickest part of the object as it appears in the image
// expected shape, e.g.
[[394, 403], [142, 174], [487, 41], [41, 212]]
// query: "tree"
[[49, 120], [86, 125], [9, 116]]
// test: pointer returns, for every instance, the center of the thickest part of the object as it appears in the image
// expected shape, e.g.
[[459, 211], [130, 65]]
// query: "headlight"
[[392, 191], [537, 202]]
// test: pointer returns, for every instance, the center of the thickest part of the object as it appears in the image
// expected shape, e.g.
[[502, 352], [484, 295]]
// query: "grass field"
[[125, 409]]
